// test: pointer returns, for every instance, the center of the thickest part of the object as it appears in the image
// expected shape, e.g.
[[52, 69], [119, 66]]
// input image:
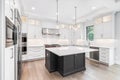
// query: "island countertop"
[[64, 51]]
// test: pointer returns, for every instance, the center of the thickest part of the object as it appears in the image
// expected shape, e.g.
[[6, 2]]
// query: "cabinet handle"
[[101, 35], [47, 54], [12, 54], [34, 36]]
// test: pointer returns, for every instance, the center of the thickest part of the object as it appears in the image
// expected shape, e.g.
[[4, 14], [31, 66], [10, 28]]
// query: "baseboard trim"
[[30, 60]]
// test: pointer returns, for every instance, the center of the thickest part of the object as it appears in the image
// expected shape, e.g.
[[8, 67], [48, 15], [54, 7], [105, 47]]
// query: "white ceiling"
[[46, 9]]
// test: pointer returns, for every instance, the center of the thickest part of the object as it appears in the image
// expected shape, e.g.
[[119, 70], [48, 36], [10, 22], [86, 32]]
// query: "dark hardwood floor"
[[94, 71]]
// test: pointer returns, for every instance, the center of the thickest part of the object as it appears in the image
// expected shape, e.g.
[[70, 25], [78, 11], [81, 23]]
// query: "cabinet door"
[[25, 28], [104, 30], [47, 59], [9, 64], [38, 31], [9, 10], [36, 52], [68, 64], [79, 61], [108, 30], [50, 61], [98, 31], [31, 32]]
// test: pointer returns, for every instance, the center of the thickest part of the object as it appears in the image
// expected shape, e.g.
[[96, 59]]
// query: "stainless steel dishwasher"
[[94, 55]]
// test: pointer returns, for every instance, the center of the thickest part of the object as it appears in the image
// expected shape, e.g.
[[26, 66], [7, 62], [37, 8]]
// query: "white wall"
[[2, 38]]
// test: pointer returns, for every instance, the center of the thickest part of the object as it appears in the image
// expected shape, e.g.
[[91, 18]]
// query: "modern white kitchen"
[[60, 39]]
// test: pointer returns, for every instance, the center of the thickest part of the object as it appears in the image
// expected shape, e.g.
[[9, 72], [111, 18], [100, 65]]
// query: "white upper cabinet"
[[98, 31], [34, 32], [108, 30], [104, 29], [24, 27], [31, 32], [38, 32], [24, 24], [9, 9]]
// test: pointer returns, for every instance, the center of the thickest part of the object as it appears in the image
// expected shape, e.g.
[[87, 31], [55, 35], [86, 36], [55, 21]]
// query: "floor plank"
[[94, 71]]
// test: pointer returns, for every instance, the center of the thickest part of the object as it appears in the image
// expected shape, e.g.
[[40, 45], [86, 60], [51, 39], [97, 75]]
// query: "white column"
[[2, 38]]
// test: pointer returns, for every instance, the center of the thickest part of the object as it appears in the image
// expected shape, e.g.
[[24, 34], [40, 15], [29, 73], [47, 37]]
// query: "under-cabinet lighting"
[[107, 18]]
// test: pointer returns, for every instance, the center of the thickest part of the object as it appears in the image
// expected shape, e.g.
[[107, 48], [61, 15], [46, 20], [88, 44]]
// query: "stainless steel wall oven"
[[11, 33]]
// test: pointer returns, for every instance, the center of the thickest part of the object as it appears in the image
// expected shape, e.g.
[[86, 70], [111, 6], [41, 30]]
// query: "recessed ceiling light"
[[93, 8], [33, 8]]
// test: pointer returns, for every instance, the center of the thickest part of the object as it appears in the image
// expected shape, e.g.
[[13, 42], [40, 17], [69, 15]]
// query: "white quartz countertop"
[[64, 51], [103, 45]]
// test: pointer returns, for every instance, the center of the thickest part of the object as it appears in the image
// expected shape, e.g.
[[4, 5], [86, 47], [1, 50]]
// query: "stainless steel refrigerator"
[[18, 50]]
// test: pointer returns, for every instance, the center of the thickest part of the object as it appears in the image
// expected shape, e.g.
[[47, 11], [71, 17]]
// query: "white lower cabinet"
[[104, 55], [107, 55], [35, 52], [9, 63]]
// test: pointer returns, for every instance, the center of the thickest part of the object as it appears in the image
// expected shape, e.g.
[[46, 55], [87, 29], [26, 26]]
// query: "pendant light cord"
[[57, 21], [75, 15]]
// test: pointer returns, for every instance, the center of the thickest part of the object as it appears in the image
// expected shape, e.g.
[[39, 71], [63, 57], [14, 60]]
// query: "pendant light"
[[76, 26], [57, 14], [75, 15]]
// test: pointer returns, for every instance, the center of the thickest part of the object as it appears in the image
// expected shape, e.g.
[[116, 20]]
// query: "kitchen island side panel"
[[51, 61]]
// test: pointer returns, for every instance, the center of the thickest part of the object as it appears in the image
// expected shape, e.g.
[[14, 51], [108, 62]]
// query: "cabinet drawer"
[[36, 51], [104, 50], [104, 59], [104, 54], [35, 57]]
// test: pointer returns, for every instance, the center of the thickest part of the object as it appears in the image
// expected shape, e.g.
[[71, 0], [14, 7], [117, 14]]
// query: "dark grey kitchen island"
[[66, 60]]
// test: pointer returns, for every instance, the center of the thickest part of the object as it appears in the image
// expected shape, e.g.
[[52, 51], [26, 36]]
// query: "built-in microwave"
[[11, 33]]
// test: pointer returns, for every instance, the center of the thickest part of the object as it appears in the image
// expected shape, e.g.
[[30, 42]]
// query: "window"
[[90, 33]]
